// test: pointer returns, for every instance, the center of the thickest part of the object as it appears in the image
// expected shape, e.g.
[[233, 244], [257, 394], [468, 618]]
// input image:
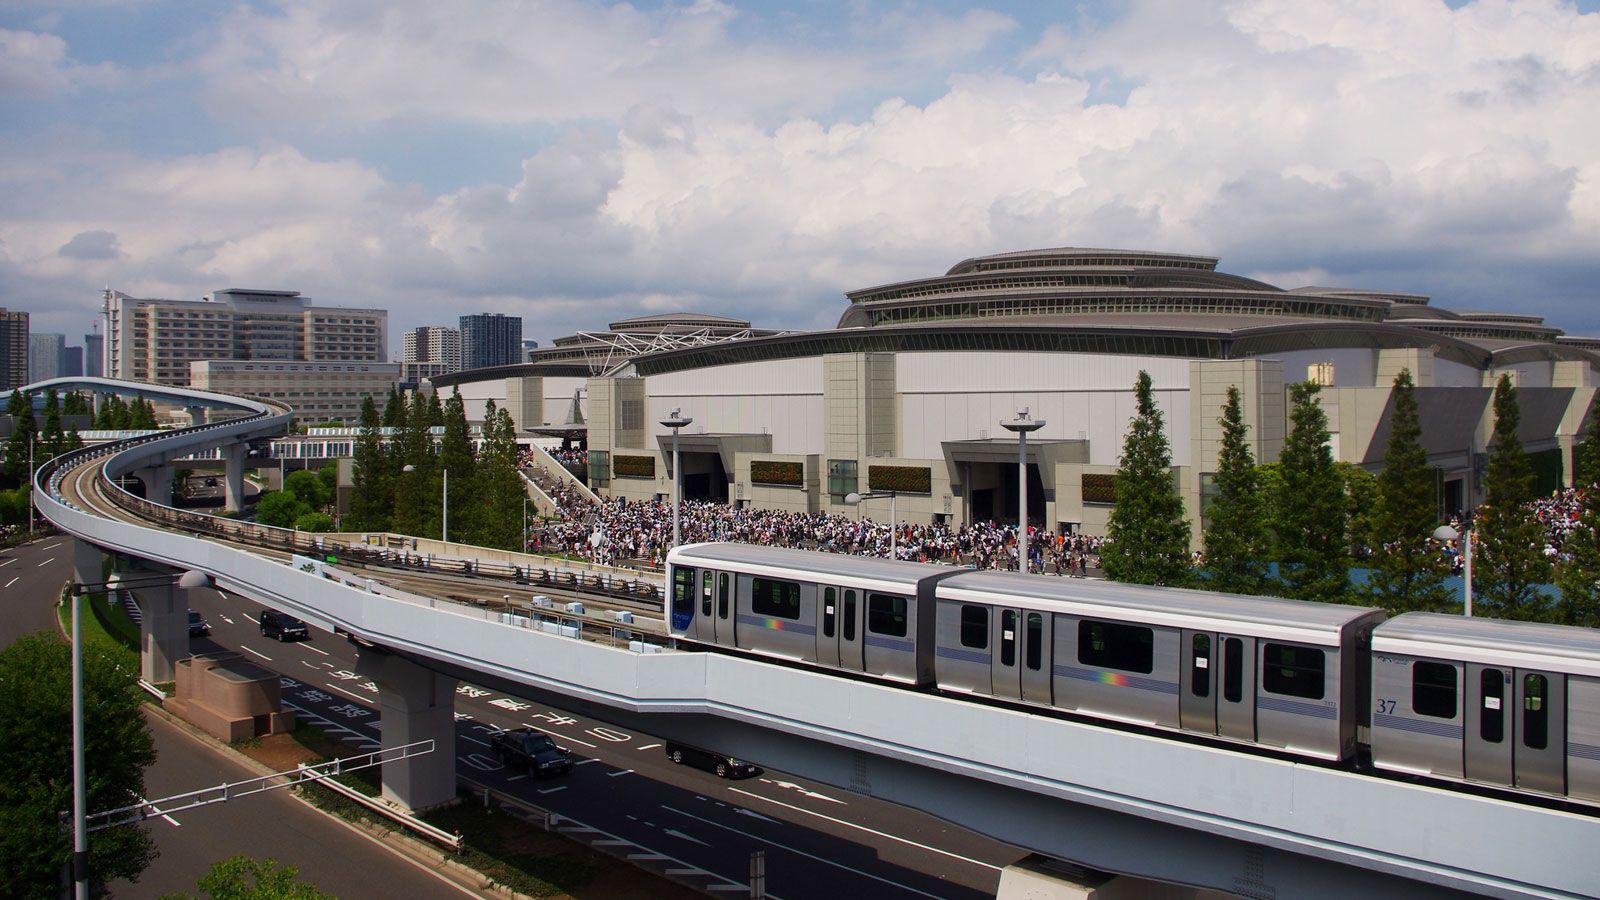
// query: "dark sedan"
[[721, 764]]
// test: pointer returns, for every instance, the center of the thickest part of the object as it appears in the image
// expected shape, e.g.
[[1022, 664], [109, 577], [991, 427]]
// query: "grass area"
[[105, 627]]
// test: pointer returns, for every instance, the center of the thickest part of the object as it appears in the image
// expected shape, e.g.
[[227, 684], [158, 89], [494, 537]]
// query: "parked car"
[[198, 626], [723, 765], [283, 626], [532, 751]]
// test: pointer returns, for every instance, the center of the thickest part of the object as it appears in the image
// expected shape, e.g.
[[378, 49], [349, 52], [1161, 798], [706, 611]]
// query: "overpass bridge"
[[1117, 801]]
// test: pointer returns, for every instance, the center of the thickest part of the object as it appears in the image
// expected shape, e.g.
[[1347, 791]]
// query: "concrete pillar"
[[197, 415], [233, 478], [86, 563], [157, 484], [163, 629], [416, 704]]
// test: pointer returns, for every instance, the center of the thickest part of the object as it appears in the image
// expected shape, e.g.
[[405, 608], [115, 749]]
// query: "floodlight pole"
[[854, 499], [1446, 533], [675, 421], [1022, 425], [80, 803]]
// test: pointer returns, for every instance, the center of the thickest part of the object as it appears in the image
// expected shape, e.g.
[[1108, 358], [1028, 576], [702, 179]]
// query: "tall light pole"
[[894, 520], [676, 421], [1446, 533], [30, 483], [1022, 425]]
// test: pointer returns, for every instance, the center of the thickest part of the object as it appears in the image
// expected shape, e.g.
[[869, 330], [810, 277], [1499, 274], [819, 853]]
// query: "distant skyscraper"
[[13, 349], [71, 362], [430, 350], [94, 355], [44, 356], [490, 339]]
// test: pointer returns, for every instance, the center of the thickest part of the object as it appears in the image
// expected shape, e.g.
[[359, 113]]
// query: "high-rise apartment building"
[[44, 356], [428, 351], [490, 339], [71, 362], [13, 349], [156, 340], [94, 355]]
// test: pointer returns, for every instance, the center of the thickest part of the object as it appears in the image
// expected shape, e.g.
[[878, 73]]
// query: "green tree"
[[370, 482], [329, 476], [1408, 571], [1578, 575], [1149, 536], [76, 404], [394, 409], [36, 751], [1310, 540], [114, 415], [280, 509], [307, 486], [51, 439], [417, 493], [1235, 536], [24, 428], [314, 521], [456, 457], [498, 519], [243, 878], [1361, 507], [1509, 563], [142, 415]]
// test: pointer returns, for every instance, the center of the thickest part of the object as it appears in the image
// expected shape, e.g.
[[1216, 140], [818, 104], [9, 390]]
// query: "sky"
[[578, 163]]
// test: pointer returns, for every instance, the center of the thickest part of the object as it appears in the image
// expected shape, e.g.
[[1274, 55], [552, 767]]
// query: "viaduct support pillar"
[[163, 629], [417, 704], [86, 563], [157, 484], [233, 478], [197, 414]]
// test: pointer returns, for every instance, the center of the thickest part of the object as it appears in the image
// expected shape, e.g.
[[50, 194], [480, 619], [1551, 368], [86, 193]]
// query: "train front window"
[[770, 597], [683, 591], [1293, 671], [886, 614], [1433, 689], [1113, 645], [1233, 670], [1535, 712], [975, 627]]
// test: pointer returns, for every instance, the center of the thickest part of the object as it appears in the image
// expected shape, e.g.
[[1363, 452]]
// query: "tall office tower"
[[490, 339], [44, 356], [156, 340], [94, 355], [71, 362], [13, 349], [430, 350]]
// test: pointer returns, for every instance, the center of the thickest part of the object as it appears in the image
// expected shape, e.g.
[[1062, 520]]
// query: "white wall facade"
[[779, 397]]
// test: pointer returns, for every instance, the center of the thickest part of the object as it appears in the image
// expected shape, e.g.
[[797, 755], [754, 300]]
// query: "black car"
[[283, 626], [723, 765], [532, 751], [198, 626]]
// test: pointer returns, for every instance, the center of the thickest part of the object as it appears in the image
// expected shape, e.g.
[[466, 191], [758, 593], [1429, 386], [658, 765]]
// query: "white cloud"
[[35, 64]]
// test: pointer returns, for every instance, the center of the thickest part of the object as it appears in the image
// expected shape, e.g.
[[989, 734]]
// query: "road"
[[31, 576]]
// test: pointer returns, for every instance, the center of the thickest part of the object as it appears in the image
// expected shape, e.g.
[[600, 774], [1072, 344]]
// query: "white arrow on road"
[[678, 834]]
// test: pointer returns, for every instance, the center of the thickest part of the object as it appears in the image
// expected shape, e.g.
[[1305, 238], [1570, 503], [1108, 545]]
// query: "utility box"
[[228, 697]]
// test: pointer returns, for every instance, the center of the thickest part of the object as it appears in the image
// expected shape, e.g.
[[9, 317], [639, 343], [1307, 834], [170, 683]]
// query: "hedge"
[[910, 479], [634, 466], [770, 471]]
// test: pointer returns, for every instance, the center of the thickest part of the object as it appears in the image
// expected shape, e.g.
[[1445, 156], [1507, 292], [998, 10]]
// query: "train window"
[[1008, 637], [829, 613], [1233, 670], [722, 595], [1492, 718], [1535, 712], [683, 591], [1293, 671], [1113, 645], [705, 594], [1200, 666], [770, 597], [849, 615], [1035, 651], [1433, 689], [975, 627], [886, 614]]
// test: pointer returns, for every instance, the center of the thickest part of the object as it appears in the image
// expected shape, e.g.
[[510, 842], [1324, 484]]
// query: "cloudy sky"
[[574, 163]]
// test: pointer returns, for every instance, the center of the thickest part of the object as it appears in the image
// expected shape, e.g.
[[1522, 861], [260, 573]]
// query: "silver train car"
[[1253, 670], [1506, 704]]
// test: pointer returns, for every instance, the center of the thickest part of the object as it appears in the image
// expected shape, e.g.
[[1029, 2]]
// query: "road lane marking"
[[313, 649], [518, 777], [821, 859], [256, 652], [647, 857], [45, 563], [648, 747], [8, 562], [13, 581], [465, 737], [553, 790], [585, 762], [335, 687], [224, 618], [568, 739], [52, 546], [623, 772], [251, 618], [871, 831]]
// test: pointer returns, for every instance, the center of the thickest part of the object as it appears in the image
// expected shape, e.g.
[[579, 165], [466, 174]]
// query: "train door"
[[852, 627], [1539, 756], [1005, 676], [1036, 640], [725, 618], [1488, 736], [707, 623], [828, 628], [1235, 687], [1197, 693]]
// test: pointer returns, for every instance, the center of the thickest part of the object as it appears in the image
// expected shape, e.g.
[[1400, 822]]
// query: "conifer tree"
[[23, 429], [51, 438], [1149, 536], [455, 457], [1509, 562], [1309, 512], [1236, 533], [417, 493], [370, 497], [1408, 570], [394, 410], [75, 404], [142, 415], [1578, 576], [498, 522]]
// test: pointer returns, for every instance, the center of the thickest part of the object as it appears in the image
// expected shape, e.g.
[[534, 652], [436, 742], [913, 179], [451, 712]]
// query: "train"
[[1511, 706]]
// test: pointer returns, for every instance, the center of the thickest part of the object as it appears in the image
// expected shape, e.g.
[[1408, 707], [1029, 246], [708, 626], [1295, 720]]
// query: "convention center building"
[[909, 392]]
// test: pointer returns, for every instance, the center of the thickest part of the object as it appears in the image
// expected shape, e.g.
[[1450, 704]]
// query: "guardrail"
[[439, 835]]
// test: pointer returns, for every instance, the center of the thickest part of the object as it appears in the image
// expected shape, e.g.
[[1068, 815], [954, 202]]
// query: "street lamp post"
[[1446, 533], [30, 483], [1022, 425], [894, 520], [676, 421]]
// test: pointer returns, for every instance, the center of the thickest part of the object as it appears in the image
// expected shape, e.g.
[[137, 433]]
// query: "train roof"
[[1267, 617], [1500, 642], [887, 574]]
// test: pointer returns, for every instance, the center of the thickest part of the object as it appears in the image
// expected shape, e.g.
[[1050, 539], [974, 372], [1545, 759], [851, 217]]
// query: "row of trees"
[[1297, 526], [400, 487], [46, 441], [303, 503]]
